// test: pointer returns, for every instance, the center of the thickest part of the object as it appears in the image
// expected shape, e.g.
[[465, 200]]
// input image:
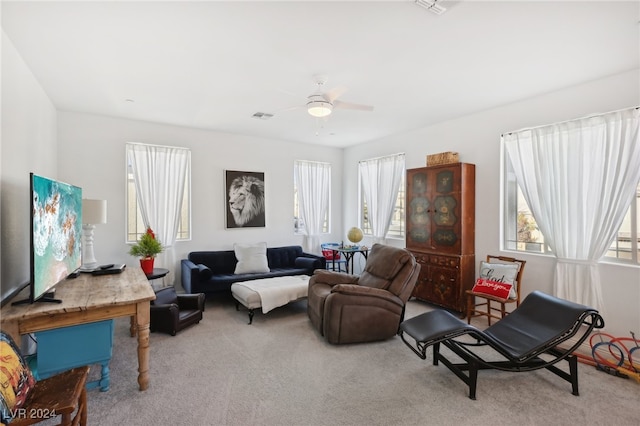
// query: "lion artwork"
[[246, 201]]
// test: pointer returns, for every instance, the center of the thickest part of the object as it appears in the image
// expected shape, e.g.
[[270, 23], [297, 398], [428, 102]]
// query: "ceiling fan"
[[321, 104]]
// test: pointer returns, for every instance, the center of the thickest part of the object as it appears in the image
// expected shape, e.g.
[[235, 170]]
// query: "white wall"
[[477, 139], [28, 144], [92, 155]]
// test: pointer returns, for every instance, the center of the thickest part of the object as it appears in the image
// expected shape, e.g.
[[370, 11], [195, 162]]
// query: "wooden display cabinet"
[[441, 232]]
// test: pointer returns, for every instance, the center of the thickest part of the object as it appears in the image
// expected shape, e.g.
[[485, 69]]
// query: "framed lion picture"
[[244, 199]]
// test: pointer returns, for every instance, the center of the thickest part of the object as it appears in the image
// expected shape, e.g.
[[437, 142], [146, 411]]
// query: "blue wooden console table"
[[65, 348]]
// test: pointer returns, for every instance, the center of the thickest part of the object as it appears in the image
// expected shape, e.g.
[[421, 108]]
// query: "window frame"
[[633, 216], [510, 196]]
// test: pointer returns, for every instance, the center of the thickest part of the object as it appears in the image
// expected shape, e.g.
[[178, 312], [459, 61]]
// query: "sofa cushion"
[[225, 280], [220, 262], [252, 258], [283, 257]]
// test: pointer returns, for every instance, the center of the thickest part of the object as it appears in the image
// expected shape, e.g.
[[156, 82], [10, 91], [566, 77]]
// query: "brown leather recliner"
[[172, 312], [350, 309]]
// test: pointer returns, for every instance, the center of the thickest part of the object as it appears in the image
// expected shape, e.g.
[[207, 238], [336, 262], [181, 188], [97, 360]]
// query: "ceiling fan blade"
[[349, 105], [335, 93]]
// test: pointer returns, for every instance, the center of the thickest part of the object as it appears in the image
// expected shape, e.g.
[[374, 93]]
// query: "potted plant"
[[147, 248]]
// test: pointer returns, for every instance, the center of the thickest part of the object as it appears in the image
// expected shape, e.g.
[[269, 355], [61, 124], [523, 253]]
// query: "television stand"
[[47, 297]]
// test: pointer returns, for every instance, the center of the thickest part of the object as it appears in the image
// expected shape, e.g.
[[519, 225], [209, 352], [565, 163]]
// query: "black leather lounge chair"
[[539, 326]]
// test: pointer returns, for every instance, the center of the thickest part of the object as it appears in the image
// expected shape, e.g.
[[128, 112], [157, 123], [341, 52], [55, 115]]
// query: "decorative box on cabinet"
[[441, 232], [69, 347]]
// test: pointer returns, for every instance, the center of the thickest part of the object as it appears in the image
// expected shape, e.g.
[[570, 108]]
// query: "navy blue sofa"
[[213, 271]]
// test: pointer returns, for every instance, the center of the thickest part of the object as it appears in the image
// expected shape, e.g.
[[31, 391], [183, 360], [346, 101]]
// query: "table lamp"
[[94, 212]]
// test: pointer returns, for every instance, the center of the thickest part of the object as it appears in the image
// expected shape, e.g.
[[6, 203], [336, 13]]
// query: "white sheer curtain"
[[313, 181], [380, 179], [579, 178], [159, 173]]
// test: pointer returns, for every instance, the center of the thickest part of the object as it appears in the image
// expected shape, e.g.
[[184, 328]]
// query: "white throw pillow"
[[501, 272], [252, 258]]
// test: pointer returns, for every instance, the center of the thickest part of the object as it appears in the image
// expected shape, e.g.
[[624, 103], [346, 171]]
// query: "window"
[[626, 246], [397, 225], [135, 224], [325, 170]]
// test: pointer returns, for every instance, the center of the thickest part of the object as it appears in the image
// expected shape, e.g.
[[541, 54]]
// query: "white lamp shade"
[[319, 108], [94, 212]]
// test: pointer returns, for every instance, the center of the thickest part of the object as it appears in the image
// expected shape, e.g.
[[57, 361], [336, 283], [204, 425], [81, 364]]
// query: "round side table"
[[157, 274]]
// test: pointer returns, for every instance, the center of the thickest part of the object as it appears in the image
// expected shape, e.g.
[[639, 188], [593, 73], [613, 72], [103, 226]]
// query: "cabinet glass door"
[[433, 209], [418, 210]]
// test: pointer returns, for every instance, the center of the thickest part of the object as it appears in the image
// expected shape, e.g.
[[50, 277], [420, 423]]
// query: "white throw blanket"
[[278, 291]]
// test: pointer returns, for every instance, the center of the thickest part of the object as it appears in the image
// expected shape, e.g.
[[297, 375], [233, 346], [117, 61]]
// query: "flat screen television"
[[56, 235]]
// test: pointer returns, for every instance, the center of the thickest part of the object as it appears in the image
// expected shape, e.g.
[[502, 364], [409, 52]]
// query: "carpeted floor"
[[279, 371]]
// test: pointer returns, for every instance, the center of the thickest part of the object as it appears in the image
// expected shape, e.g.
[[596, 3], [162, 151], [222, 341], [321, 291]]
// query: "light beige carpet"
[[279, 371]]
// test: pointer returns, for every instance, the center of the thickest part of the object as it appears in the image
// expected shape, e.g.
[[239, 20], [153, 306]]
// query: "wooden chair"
[[63, 395], [485, 308], [333, 258], [59, 395]]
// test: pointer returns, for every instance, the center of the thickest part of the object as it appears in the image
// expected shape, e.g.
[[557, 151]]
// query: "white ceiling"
[[213, 64]]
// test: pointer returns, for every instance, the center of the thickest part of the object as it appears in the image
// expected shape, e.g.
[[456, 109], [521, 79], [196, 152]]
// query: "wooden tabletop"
[[86, 292]]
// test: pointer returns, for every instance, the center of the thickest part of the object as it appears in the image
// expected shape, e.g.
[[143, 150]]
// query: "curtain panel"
[[380, 179], [313, 181], [579, 178]]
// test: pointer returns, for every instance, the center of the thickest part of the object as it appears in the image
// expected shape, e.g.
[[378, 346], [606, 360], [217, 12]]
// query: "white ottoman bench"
[[269, 293]]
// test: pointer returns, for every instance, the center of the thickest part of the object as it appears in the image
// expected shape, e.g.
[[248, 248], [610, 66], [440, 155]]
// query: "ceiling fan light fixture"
[[319, 108]]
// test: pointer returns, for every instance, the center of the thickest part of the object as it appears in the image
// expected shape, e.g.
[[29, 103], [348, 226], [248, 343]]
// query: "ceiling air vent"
[[432, 6], [262, 115]]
